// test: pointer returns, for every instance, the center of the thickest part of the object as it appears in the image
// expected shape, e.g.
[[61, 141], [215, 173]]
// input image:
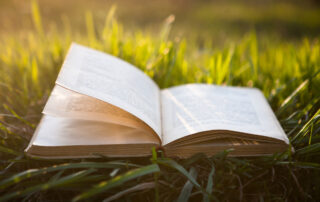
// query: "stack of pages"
[[102, 105]]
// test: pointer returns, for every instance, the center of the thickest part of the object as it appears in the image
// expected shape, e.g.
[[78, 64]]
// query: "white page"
[[195, 108], [112, 80], [69, 104], [57, 131]]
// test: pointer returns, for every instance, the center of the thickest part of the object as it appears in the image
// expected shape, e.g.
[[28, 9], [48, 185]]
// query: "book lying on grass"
[[104, 105]]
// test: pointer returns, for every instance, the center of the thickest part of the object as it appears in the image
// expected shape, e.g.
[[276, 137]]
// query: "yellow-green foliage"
[[287, 73]]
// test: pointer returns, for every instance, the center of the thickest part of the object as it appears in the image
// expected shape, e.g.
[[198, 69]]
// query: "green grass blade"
[[51, 184], [36, 17], [309, 150], [305, 165], [139, 187], [17, 178], [118, 181], [287, 101], [187, 188], [305, 128], [209, 187], [171, 163], [9, 151]]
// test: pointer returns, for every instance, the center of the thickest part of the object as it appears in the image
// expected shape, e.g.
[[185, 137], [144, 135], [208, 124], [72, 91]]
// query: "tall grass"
[[287, 73]]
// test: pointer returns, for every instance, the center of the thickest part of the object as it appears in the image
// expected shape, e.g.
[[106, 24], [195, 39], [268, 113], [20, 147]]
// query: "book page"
[[61, 131], [69, 104], [112, 80], [194, 108]]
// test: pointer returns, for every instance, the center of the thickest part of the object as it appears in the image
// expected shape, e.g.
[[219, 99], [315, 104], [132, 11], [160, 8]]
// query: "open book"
[[104, 105]]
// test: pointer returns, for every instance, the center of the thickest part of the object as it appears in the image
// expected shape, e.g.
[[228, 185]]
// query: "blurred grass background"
[[272, 45], [222, 21]]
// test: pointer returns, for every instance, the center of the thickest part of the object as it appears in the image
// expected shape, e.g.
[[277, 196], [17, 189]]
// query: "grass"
[[286, 72], [219, 20]]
